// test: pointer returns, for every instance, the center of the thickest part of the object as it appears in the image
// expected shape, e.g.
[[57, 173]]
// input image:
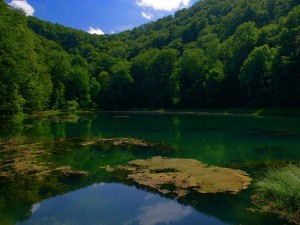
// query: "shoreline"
[[269, 112]]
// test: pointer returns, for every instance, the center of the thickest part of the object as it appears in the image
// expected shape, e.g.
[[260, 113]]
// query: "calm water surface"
[[245, 142]]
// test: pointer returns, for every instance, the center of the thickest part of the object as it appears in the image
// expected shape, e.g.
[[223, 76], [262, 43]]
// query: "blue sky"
[[101, 16]]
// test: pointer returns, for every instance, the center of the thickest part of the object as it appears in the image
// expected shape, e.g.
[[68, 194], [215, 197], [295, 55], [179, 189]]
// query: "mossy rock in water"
[[180, 176]]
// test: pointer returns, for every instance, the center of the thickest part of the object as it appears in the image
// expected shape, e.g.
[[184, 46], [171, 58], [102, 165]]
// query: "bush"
[[279, 192]]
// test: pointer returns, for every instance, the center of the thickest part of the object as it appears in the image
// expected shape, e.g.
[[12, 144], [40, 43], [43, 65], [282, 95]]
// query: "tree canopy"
[[218, 53]]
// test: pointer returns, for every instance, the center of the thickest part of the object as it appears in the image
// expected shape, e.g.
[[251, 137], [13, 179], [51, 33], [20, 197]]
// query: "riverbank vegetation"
[[279, 192], [217, 54]]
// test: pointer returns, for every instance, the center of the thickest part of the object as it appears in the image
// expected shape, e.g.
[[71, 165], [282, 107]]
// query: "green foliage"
[[287, 65], [78, 87], [115, 86], [25, 83], [191, 73], [216, 54], [240, 45], [256, 75], [158, 84], [59, 66], [71, 105], [120, 85], [279, 192]]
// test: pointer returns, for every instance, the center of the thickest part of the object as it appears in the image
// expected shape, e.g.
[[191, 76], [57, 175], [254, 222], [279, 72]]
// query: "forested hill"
[[218, 53]]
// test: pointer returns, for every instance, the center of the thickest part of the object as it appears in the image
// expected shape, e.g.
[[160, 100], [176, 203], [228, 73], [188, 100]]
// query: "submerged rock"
[[180, 176]]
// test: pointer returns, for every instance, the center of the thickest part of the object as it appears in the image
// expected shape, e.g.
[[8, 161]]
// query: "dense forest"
[[216, 54]]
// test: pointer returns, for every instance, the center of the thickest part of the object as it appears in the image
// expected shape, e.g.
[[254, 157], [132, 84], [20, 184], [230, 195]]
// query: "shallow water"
[[244, 142]]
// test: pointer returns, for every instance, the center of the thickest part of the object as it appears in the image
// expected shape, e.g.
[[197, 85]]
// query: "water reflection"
[[161, 213], [242, 142], [35, 207], [107, 204]]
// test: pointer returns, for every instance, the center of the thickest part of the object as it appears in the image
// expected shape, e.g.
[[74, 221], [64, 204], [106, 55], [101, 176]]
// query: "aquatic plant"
[[24, 157], [180, 176], [279, 192], [109, 141], [119, 142]]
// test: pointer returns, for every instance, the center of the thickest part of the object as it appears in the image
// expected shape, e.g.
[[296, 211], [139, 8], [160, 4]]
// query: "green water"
[[244, 142]]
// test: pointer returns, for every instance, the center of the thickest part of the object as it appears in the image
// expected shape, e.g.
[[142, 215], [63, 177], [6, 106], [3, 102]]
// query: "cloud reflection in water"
[[111, 204], [35, 207], [161, 213]]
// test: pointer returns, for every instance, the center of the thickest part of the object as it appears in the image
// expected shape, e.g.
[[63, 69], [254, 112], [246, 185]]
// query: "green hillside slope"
[[218, 53]]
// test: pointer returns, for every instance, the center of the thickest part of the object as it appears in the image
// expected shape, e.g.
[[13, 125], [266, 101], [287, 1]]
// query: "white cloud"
[[147, 16], [97, 31], [167, 5], [24, 5]]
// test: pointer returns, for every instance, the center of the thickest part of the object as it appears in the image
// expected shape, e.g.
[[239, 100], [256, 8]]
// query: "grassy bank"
[[279, 192]]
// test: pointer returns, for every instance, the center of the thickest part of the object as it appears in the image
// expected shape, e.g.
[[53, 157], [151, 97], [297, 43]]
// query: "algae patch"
[[24, 157], [180, 176], [119, 142], [108, 141]]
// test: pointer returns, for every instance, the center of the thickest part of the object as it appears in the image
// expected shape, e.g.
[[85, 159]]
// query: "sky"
[[100, 16]]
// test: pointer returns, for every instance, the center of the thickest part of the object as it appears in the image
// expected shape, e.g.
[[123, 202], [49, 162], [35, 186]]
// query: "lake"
[[250, 143]]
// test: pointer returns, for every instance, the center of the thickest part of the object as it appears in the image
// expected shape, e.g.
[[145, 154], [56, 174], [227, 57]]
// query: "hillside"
[[218, 53]]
